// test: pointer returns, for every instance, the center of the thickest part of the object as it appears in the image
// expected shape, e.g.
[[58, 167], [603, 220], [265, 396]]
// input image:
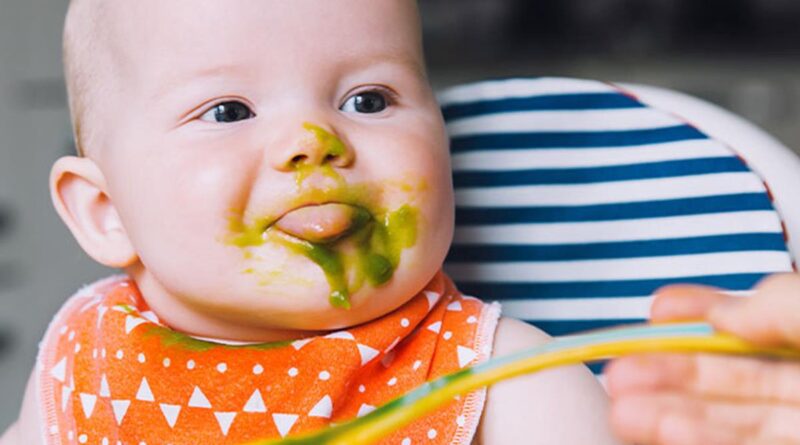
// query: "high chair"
[[577, 199]]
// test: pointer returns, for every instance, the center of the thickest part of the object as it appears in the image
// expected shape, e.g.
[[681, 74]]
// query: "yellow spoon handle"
[[600, 345]]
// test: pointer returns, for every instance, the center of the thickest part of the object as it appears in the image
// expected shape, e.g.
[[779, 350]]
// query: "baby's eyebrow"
[[401, 59], [203, 73], [358, 62]]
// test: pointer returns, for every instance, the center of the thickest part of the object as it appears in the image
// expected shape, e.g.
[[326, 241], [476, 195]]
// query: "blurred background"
[[741, 54]]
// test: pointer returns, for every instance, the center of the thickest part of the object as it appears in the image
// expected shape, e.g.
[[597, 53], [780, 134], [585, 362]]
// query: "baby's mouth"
[[318, 231], [322, 223]]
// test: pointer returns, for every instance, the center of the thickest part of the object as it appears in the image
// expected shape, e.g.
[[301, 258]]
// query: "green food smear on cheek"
[[380, 256], [401, 231], [246, 236]]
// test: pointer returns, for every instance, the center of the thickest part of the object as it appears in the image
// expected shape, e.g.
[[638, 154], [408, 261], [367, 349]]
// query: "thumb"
[[770, 317]]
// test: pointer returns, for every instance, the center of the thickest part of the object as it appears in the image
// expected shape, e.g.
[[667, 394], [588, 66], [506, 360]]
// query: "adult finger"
[[770, 317], [667, 419], [733, 378], [685, 302], [670, 418], [646, 372]]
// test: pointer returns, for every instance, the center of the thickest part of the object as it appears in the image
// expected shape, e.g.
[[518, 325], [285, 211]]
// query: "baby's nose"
[[316, 146]]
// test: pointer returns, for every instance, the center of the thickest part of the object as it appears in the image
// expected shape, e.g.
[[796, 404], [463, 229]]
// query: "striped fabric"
[[575, 202]]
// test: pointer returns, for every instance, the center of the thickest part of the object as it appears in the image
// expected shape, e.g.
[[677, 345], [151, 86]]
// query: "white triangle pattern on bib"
[[105, 391], [120, 408], [198, 399], [145, 394], [171, 413], [132, 322], [323, 408], [87, 403], [225, 419], [255, 404], [367, 353], [284, 422]]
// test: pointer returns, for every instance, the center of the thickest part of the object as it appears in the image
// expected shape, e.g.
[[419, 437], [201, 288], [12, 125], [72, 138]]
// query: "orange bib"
[[110, 373]]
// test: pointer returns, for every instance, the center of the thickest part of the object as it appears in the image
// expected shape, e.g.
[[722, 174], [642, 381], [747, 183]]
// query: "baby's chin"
[[308, 306], [285, 291]]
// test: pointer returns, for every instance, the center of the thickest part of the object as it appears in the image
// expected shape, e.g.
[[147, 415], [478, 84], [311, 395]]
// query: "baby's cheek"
[[205, 193], [431, 197], [181, 210]]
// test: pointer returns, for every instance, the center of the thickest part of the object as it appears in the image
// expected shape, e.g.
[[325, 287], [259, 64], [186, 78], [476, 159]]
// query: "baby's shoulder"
[[513, 335], [564, 405]]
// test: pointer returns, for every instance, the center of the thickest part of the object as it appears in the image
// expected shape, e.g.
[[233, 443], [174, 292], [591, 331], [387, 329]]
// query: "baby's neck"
[[190, 322]]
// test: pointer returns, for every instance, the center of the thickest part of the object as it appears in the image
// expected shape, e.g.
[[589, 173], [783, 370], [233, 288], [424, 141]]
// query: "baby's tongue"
[[318, 223]]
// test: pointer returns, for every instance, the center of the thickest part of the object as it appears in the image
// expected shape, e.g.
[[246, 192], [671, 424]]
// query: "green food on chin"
[[330, 261], [377, 268], [378, 245]]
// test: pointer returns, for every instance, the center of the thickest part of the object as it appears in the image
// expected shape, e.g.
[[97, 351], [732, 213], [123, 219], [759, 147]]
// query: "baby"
[[273, 178]]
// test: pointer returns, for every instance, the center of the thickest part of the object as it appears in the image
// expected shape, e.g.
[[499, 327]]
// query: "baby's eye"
[[228, 112], [367, 102]]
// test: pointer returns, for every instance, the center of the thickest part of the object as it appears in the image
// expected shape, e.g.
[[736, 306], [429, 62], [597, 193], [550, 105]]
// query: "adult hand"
[[670, 399]]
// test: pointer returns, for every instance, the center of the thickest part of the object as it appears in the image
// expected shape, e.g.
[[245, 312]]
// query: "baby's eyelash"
[[198, 112], [228, 111], [391, 96]]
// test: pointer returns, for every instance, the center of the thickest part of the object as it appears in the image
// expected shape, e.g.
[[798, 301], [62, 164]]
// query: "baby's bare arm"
[[562, 406], [27, 430]]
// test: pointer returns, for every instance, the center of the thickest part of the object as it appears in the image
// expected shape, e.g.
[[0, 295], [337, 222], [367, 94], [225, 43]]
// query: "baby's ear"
[[78, 189]]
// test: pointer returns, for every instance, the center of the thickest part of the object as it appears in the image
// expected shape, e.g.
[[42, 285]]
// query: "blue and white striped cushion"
[[576, 201]]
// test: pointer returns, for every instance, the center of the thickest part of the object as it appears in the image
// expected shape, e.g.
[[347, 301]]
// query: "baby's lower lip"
[[320, 223]]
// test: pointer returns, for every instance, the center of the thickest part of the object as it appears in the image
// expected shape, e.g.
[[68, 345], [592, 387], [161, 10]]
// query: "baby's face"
[[277, 164]]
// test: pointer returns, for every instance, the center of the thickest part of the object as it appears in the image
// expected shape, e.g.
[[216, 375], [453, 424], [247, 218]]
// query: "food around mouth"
[[379, 243], [319, 233]]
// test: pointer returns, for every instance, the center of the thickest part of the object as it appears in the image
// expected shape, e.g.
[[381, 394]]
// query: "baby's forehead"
[[208, 28], [116, 46], [279, 36]]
